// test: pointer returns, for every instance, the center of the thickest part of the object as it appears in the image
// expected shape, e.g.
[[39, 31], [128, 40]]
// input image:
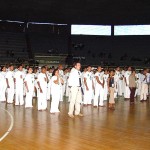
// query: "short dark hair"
[[43, 67], [54, 72]]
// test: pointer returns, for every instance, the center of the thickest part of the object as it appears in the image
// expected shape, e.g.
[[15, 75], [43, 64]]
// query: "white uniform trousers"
[[75, 100], [19, 95], [88, 96], [48, 93], [99, 92], [144, 91], [127, 92], [139, 88], [55, 102], [28, 99], [105, 92], [3, 92], [42, 101], [61, 93], [10, 93], [120, 89]]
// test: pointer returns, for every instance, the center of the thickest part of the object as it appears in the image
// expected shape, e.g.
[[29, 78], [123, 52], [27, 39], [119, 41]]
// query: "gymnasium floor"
[[126, 128]]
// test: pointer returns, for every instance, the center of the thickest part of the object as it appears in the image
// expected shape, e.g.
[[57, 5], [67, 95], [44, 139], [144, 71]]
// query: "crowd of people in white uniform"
[[92, 86]]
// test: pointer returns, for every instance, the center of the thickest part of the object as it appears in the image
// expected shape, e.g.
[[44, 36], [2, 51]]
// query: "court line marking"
[[10, 127]]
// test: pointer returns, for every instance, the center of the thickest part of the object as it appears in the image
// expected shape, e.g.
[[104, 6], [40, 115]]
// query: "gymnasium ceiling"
[[77, 11]]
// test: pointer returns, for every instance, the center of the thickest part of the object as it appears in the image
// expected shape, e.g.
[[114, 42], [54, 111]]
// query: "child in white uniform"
[[3, 84], [42, 85], [29, 84], [10, 84], [19, 79], [56, 82]]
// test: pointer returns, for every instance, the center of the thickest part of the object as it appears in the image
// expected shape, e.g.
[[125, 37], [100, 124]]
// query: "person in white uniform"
[[105, 76], [49, 75], [42, 89], [10, 84], [29, 85], [89, 86], [74, 82], [61, 73], [99, 88], [56, 82], [19, 80], [3, 84], [127, 90], [144, 88]]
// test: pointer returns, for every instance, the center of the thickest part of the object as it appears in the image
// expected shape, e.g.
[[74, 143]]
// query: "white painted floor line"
[[11, 125]]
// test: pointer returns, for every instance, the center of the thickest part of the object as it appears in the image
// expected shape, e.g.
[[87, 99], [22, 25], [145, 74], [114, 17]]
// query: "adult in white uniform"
[[139, 82], [99, 88], [144, 88], [74, 82], [127, 90], [10, 84], [89, 86], [29, 84], [19, 80], [56, 82], [3, 84], [42, 86], [105, 76], [61, 73], [49, 75]]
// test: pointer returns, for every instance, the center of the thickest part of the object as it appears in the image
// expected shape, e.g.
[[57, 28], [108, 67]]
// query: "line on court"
[[11, 125]]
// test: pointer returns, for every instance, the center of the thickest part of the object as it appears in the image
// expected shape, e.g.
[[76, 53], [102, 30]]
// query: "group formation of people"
[[92, 86]]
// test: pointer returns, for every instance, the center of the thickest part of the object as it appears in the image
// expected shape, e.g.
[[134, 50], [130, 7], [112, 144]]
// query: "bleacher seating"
[[12, 43]]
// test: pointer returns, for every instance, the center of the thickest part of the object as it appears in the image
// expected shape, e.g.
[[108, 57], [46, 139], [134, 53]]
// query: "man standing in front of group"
[[74, 82]]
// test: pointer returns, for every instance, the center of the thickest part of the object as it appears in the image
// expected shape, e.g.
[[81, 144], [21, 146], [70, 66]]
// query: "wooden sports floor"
[[126, 128]]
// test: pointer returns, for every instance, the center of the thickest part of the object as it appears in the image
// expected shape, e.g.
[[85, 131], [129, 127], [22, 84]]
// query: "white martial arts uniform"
[[29, 79], [139, 83], [3, 86], [56, 94], [127, 90], [49, 76], [74, 82], [144, 88], [99, 90], [19, 86], [10, 90], [42, 101], [88, 93], [61, 73], [105, 77]]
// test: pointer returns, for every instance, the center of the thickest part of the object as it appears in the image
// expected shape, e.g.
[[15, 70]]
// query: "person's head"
[[133, 72], [118, 68], [60, 67], [3, 68], [11, 67], [43, 69], [106, 71], [35, 70], [99, 68], [129, 68], [50, 70], [89, 68], [145, 71], [77, 65], [55, 72], [30, 70], [112, 72], [20, 68]]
